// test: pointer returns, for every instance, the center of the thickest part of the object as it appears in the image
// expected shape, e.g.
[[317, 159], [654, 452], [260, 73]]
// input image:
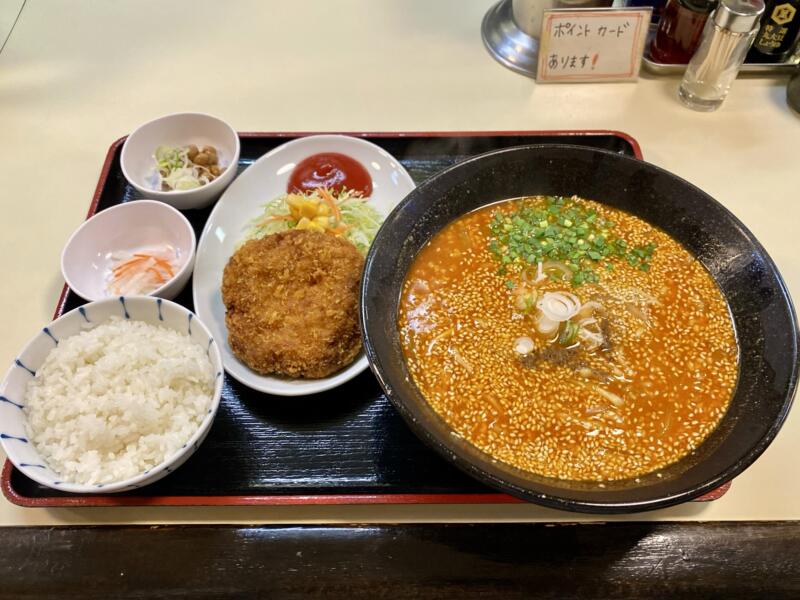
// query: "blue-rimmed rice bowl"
[[155, 311]]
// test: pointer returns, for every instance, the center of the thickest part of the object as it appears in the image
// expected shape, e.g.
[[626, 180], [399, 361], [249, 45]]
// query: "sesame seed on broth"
[[652, 392]]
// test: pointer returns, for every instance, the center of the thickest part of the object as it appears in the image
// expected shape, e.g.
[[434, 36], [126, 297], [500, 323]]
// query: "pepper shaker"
[[727, 37]]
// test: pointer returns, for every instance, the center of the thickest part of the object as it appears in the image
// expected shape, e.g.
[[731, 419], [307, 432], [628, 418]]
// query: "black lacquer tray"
[[345, 446]]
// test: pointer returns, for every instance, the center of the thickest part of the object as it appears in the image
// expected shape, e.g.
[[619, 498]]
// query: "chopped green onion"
[[568, 333], [561, 229]]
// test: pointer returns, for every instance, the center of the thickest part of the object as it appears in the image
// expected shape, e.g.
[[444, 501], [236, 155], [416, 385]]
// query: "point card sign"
[[592, 44]]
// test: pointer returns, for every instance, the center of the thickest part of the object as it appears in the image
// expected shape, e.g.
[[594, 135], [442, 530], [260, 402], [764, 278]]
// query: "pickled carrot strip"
[[137, 268], [157, 269], [164, 264], [128, 263], [157, 273]]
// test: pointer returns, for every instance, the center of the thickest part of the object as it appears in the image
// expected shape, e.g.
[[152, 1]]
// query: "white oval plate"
[[266, 179]]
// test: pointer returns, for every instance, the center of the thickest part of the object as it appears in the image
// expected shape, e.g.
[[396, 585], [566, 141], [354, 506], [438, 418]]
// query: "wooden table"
[[74, 76], [626, 560]]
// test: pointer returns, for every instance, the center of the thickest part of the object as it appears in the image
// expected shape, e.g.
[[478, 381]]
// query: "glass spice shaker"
[[727, 37]]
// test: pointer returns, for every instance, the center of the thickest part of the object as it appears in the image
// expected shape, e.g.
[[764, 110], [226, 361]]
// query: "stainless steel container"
[[511, 30]]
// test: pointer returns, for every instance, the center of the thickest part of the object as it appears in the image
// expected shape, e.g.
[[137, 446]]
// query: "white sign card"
[[592, 44]]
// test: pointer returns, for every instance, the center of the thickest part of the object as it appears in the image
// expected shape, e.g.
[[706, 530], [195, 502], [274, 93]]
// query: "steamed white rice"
[[117, 400]]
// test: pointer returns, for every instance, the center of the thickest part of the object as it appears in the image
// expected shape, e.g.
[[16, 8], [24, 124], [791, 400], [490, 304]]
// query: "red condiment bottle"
[[680, 29]]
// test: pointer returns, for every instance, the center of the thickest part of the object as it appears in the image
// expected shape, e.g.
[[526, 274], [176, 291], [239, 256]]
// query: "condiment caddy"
[[765, 68]]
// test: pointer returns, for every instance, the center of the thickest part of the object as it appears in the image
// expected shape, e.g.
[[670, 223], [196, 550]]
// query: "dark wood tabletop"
[[505, 561]]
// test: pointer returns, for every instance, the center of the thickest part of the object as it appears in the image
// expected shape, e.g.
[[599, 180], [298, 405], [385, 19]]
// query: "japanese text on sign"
[[592, 44]]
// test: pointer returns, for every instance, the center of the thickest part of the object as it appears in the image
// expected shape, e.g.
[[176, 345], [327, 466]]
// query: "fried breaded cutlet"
[[291, 301]]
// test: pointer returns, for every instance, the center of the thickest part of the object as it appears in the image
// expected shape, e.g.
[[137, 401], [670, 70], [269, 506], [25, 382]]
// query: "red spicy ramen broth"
[[636, 376]]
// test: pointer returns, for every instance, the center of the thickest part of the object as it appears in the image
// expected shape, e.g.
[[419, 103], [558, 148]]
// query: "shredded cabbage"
[[360, 217]]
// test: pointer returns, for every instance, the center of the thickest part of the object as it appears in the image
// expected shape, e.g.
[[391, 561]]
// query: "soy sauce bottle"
[[656, 5], [679, 30], [779, 28]]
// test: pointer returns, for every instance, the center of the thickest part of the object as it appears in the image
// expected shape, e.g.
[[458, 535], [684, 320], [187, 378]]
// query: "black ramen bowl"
[[763, 315]]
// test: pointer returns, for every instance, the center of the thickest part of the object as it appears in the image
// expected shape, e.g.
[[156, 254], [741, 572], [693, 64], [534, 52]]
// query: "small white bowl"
[[128, 227], [13, 432], [180, 129]]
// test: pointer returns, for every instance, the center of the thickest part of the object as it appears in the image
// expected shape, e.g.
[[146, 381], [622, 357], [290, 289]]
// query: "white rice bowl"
[[117, 400], [111, 396]]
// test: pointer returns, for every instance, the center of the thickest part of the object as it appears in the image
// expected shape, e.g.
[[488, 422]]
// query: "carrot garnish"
[[142, 273], [328, 199], [340, 229], [269, 218]]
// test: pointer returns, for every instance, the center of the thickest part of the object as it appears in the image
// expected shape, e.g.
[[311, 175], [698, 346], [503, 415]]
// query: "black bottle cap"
[[699, 6]]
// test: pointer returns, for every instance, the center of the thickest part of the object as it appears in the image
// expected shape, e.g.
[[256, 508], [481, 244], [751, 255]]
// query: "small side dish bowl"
[[87, 257], [14, 434], [180, 129]]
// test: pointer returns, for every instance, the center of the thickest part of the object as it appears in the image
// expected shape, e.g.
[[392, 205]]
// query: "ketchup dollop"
[[330, 170]]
